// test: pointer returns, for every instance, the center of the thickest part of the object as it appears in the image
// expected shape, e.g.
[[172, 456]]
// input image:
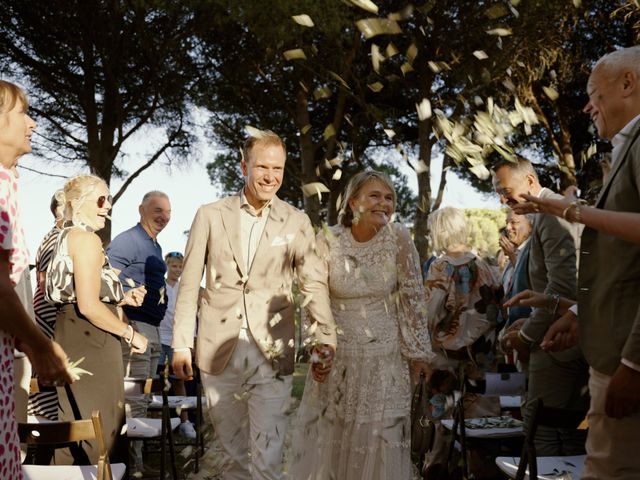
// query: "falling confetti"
[[294, 54], [480, 55], [314, 188], [371, 27], [367, 5], [304, 20], [550, 92], [424, 109], [500, 32]]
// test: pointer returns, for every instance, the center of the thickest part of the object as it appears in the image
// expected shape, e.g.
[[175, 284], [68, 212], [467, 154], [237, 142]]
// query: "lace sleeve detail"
[[414, 335]]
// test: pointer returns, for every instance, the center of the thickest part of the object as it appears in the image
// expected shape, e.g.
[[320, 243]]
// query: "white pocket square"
[[279, 241]]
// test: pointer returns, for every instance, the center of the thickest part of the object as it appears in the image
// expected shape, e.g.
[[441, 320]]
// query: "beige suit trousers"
[[612, 444], [248, 410]]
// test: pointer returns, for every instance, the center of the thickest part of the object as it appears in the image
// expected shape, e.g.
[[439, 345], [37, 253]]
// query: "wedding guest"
[[45, 402], [516, 276], [609, 275], [462, 298], [16, 327], [89, 322], [558, 379], [356, 425], [174, 261]]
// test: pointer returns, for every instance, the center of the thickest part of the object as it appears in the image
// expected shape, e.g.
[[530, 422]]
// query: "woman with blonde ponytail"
[[90, 322]]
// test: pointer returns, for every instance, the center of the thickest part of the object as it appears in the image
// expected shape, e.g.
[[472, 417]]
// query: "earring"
[[356, 217]]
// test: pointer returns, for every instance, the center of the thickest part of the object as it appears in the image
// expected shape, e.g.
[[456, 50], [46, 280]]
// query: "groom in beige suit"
[[249, 246]]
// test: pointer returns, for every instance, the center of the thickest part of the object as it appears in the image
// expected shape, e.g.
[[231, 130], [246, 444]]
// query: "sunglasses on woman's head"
[[104, 198], [174, 255]]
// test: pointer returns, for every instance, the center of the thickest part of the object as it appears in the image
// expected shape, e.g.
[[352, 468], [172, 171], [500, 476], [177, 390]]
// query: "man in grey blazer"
[[609, 281], [250, 246], [557, 378]]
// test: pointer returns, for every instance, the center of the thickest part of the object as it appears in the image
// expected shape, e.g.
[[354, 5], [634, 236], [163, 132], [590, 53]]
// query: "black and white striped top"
[[45, 403]]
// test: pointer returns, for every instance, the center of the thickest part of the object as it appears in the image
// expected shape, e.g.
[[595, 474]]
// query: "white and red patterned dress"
[[11, 239]]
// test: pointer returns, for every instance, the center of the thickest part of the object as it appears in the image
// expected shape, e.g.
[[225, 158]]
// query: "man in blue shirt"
[[137, 258]]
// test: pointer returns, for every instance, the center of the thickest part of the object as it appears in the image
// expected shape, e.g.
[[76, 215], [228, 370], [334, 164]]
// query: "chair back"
[[565, 418], [52, 433], [513, 383]]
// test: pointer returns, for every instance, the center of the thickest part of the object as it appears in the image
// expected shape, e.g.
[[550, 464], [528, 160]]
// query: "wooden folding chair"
[[550, 467], [63, 433]]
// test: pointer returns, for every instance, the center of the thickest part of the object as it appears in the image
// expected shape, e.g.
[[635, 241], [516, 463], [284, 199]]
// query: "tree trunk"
[[307, 155], [446, 162], [424, 190]]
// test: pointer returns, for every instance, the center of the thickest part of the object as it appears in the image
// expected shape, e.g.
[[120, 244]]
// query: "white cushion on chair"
[[147, 427], [486, 432], [176, 401], [68, 472], [548, 467]]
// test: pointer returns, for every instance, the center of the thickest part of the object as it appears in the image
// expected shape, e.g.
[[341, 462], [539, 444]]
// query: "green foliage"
[[98, 72], [484, 229]]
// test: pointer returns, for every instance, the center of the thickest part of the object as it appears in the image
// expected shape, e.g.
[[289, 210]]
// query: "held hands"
[[181, 364], [135, 296], [321, 361], [623, 394]]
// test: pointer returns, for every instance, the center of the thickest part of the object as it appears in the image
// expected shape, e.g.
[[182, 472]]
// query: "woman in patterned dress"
[[356, 424], [16, 327], [462, 298], [89, 322]]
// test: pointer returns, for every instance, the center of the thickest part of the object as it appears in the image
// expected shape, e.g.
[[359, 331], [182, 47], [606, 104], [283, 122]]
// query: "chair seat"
[[175, 401], [69, 472], [497, 432], [549, 468], [510, 401], [147, 427]]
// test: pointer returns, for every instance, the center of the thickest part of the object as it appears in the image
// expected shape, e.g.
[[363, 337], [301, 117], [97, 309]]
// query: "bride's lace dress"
[[356, 424]]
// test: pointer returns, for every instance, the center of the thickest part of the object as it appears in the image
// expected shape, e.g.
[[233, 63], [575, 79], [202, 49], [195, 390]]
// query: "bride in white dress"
[[355, 424]]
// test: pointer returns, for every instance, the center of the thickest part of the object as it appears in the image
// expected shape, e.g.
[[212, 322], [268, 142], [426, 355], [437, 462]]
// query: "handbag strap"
[[78, 453]]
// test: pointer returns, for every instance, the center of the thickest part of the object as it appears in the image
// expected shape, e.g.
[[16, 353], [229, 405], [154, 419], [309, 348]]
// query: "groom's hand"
[[181, 364], [321, 366]]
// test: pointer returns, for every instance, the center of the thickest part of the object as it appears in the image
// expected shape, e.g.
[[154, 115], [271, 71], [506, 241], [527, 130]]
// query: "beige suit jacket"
[[609, 279], [263, 294]]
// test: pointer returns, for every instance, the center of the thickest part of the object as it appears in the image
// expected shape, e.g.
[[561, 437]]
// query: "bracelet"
[[528, 343], [124, 334], [575, 205], [554, 299], [566, 211]]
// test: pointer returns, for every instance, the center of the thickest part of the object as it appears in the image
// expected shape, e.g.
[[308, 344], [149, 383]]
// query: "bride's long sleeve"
[[414, 334]]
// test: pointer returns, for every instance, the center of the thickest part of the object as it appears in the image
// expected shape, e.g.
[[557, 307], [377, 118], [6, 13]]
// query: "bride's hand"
[[321, 362]]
